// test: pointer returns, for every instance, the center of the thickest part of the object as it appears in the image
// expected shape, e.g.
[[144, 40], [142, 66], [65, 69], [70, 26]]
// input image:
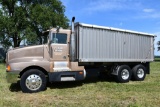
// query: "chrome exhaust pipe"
[[73, 42]]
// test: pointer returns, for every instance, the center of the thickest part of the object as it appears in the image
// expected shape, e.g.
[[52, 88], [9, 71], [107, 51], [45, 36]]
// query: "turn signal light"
[[8, 68], [80, 73]]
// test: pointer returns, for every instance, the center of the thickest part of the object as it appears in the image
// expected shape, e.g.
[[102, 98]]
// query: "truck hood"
[[25, 52]]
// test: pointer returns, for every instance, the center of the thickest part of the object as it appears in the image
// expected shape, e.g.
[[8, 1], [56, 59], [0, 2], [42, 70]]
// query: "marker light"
[[80, 73], [8, 68]]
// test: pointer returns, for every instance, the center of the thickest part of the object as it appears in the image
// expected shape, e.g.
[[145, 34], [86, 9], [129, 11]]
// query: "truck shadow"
[[73, 84], [15, 87]]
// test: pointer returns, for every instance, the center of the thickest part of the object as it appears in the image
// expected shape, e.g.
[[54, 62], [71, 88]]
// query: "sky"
[[136, 15]]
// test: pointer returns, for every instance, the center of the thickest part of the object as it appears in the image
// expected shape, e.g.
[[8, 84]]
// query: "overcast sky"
[[137, 15]]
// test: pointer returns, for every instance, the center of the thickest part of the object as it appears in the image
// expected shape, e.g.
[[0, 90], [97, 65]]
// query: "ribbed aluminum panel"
[[103, 44]]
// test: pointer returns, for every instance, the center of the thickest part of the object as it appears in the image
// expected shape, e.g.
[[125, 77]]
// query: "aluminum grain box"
[[105, 44]]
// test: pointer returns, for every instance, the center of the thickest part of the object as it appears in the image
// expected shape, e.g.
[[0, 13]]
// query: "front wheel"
[[32, 81], [124, 74], [139, 72]]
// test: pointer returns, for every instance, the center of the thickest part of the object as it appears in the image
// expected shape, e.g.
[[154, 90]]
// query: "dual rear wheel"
[[124, 73], [139, 72]]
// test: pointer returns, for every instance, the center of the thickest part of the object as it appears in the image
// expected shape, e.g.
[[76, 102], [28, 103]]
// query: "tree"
[[26, 19]]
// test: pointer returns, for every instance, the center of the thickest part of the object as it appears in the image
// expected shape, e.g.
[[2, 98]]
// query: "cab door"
[[59, 47], [59, 52]]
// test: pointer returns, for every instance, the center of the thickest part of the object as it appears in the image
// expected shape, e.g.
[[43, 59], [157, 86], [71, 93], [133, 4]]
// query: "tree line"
[[26, 19]]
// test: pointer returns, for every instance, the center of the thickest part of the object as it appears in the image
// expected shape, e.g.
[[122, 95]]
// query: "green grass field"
[[90, 93]]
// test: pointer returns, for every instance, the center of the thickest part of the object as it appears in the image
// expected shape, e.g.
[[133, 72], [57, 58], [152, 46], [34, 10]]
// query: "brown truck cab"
[[33, 65]]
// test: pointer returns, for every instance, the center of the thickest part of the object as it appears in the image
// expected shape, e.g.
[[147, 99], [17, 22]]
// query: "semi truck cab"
[[35, 65]]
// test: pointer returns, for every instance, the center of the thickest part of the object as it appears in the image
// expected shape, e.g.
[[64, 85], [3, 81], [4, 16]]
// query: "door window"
[[59, 38]]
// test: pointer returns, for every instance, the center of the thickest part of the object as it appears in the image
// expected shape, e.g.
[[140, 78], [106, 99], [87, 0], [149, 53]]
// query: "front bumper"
[[12, 77]]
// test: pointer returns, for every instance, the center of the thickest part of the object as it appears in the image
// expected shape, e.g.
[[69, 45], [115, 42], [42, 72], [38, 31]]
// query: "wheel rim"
[[33, 82], [140, 73], [125, 74]]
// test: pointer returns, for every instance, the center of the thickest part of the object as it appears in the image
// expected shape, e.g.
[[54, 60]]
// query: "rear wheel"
[[32, 81], [124, 74], [139, 72]]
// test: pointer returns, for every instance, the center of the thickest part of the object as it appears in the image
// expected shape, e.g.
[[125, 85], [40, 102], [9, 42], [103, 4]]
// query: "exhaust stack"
[[73, 43]]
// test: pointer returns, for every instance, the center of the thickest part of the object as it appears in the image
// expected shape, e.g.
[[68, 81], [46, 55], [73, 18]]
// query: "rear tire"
[[32, 81], [124, 74], [139, 72]]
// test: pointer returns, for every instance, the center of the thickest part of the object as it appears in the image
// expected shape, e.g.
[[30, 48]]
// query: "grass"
[[93, 92]]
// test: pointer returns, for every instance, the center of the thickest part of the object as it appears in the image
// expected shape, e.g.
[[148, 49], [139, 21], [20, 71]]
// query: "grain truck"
[[70, 54]]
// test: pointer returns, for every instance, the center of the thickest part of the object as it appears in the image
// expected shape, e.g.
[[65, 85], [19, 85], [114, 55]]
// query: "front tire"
[[32, 81], [124, 74], [139, 72]]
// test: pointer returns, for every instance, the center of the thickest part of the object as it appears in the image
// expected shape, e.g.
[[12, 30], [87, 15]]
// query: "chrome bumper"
[[12, 77]]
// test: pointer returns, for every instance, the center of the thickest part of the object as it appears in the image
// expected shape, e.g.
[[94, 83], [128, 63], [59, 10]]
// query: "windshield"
[[59, 38]]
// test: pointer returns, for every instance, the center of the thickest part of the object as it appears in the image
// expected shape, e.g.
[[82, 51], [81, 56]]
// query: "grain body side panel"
[[105, 45]]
